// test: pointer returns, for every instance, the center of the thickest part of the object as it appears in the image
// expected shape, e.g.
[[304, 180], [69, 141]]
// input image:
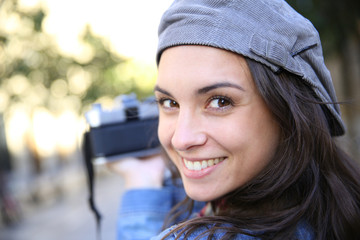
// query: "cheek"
[[165, 132], [254, 139], [260, 141]]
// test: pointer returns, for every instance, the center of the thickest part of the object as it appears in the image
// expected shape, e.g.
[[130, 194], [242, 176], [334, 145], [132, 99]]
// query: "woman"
[[248, 116]]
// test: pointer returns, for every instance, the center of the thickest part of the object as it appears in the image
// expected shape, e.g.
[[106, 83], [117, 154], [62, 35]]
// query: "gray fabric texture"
[[268, 31]]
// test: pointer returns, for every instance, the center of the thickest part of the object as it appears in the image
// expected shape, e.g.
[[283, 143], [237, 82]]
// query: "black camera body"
[[129, 129]]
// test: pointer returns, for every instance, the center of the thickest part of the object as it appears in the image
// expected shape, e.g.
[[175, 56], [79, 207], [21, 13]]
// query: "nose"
[[188, 132]]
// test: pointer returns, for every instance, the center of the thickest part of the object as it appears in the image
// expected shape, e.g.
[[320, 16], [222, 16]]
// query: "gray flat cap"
[[268, 31]]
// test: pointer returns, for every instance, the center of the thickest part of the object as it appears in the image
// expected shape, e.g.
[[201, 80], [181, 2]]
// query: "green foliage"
[[35, 72]]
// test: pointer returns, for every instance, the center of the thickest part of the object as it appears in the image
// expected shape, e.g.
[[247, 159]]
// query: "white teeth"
[[204, 164], [190, 165], [199, 165]]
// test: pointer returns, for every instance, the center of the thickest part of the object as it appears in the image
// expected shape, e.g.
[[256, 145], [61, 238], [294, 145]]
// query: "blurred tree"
[[35, 72], [43, 82], [338, 23]]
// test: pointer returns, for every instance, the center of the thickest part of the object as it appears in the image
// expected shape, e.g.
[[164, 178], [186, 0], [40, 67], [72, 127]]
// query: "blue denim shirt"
[[303, 232], [142, 213]]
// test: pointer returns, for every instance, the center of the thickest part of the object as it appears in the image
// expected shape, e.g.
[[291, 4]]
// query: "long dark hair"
[[310, 180]]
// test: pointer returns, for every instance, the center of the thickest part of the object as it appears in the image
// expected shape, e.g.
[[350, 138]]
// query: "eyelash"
[[163, 99], [230, 102], [220, 97]]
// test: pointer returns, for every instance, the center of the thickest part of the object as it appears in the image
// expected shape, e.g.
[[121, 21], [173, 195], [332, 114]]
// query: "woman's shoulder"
[[196, 234], [303, 232]]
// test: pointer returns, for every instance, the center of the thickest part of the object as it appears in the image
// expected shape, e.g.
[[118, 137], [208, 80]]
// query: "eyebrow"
[[159, 89], [204, 89], [219, 85]]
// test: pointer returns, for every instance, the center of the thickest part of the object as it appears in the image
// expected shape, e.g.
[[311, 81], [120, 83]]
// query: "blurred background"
[[59, 57]]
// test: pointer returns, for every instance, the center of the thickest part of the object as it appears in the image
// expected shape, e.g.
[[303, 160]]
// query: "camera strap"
[[91, 182]]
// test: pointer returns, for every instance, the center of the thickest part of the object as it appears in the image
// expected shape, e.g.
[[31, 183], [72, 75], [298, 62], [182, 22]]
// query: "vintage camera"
[[129, 129]]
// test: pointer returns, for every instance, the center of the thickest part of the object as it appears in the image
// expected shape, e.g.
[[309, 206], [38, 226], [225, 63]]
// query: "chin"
[[200, 196]]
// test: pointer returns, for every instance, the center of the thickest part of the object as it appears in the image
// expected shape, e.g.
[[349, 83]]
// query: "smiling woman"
[[199, 126], [248, 120]]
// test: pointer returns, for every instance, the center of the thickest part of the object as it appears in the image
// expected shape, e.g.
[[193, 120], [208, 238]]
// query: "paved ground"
[[70, 218]]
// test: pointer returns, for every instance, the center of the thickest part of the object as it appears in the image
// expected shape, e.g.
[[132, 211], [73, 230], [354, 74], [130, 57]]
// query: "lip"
[[192, 174]]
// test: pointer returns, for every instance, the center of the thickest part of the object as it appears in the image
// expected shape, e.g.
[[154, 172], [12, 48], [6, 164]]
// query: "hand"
[[146, 172]]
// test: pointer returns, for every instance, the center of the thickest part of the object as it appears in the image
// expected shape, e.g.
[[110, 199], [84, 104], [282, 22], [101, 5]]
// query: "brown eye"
[[219, 102], [168, 103]]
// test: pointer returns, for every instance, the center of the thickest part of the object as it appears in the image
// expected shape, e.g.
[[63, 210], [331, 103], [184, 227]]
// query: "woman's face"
[[213, 124]]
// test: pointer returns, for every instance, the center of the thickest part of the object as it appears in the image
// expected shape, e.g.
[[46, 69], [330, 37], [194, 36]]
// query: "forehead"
[[202, 65]]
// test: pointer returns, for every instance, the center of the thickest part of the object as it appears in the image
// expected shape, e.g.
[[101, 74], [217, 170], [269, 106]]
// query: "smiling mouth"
[[200, 165]]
